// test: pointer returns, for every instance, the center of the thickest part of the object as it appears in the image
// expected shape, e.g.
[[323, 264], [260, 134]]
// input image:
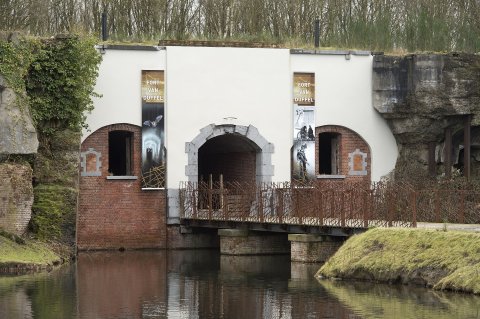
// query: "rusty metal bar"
[[210, 196], [467, 147], [437, 207], [462, 207], [342, 209], [432, 164], [414, 209], [448, 152], [365, 210], [390, 209]]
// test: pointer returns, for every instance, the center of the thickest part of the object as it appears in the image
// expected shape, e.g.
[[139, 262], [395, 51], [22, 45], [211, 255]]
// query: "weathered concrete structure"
[[428, 100]]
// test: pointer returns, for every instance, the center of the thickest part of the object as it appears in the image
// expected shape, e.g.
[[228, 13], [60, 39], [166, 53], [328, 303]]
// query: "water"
[[203, 284]]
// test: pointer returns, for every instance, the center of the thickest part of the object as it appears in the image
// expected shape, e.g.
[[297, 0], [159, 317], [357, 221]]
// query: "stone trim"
[[351, 157], [264, 167], [83, 163]]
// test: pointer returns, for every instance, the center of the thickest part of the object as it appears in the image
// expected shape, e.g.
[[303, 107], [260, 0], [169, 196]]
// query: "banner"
[[303, 168], [153, 129]]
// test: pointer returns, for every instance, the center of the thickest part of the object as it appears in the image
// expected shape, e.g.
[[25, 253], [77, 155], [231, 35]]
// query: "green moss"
[[53, 212], [30, 252], [433, 258]]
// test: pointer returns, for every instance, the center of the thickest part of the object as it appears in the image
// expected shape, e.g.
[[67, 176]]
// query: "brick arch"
[[352, 145], [264, 168]]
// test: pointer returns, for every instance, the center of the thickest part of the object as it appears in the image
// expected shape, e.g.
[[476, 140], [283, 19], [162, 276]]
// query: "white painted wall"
[[209, 85], [119, 83], [206, 85], [343, 96]]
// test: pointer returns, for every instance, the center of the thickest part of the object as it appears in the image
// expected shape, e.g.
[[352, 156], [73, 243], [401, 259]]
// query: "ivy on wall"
[[58, 74], [60, 82], [54, 80]]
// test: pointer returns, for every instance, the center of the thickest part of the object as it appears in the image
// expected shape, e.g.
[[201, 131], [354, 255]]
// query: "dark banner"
[[153, 129], [303, 168]]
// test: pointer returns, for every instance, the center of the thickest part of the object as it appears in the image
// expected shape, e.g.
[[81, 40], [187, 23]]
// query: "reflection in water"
[[202, 284]]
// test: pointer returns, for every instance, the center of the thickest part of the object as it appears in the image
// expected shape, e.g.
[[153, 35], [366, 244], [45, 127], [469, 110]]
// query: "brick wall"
[[16, 197], [240, 242], [349, 142], [117, 213], [235, 166]]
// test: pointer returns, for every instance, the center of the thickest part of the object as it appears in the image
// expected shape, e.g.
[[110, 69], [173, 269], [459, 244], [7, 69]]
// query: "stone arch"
[[264, 168]]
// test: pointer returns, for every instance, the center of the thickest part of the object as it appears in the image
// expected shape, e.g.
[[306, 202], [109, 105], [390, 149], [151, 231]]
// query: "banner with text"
[[303, 168], [153, 129]]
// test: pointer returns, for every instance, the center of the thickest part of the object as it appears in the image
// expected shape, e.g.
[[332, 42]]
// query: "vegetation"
[[54, 80], [28, 252], [442, 260], [413, 25]]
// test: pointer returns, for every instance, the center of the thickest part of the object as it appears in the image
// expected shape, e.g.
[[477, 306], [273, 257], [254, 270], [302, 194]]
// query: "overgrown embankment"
[[19, 255], [442, 260]]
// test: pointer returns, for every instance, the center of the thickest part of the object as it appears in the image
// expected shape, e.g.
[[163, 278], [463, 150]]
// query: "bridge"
[[328, 211]]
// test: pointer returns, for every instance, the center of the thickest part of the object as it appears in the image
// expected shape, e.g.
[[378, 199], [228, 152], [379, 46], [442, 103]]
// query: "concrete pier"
[[311, 248], [246, 242]]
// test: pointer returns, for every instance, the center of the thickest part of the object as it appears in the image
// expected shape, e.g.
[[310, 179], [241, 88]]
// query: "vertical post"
[[320, 208], [462, 207], [365, 209], [437, 206], [221, 198], [414, 208], [466, 147], [342, 208], [194, 201], [448, 152], [317, 32], [432, 165], [210, 196], [390, 209], [104, 26]]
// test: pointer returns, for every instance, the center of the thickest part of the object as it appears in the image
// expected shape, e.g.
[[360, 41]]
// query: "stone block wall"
[[116, 213], [16, 197], [244, 242], [180, 238]]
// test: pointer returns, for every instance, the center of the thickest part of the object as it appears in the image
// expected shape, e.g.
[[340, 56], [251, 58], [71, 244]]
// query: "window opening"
[[328, 149], [120, 153]]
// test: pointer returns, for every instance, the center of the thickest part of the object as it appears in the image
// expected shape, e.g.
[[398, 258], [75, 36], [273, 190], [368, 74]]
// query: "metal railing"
[[324, 204]]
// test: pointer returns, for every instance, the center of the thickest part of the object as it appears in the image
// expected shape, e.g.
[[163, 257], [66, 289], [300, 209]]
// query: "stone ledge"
[[233, 232]]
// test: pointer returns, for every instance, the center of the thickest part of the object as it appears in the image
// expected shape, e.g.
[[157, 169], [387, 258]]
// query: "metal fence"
[[328, 204]]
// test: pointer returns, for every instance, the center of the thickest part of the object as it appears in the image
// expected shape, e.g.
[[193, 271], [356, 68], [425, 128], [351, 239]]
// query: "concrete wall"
[[242, 86], [238, 86], [118, 83], [343, 96]]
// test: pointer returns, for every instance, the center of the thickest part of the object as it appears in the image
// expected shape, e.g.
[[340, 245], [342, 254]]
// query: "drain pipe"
[[104, 26], [317, 32]]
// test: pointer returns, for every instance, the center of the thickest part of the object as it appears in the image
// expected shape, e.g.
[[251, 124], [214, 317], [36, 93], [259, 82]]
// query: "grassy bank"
[[442, 260], [24, 255]]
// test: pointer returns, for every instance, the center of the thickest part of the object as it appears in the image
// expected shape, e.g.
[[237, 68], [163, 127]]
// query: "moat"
[[203, 284]]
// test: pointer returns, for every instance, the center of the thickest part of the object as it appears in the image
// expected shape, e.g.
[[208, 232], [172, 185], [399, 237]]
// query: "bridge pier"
[[246, 242], [311, 248]]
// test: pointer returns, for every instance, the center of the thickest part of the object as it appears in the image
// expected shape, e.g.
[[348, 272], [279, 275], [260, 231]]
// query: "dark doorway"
[[232, 156], [120, 153], [328, 153]]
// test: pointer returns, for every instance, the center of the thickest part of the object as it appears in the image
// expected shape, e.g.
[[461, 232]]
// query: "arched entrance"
[[231, 156], [238, 152]]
